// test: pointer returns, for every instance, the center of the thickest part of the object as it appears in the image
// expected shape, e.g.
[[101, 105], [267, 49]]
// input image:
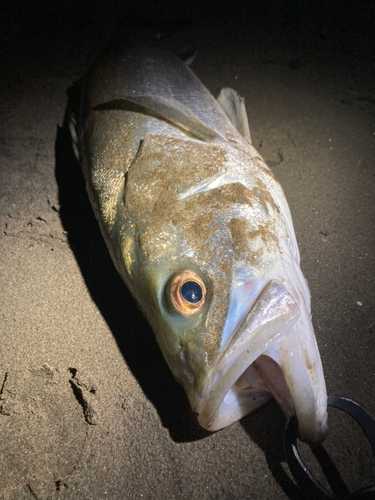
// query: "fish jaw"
[[265, 358]]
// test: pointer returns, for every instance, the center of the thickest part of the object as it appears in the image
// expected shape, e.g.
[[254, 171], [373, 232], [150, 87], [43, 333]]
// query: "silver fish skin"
[[202, 235]]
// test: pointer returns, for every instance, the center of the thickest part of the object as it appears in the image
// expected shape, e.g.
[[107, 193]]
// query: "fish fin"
[[166, 109], [234, 107]]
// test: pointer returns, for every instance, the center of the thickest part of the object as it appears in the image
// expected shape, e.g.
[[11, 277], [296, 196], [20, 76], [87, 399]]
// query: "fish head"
[[210, 258]]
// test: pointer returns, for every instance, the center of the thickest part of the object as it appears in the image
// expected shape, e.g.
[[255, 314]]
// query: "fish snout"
[[272, 353]]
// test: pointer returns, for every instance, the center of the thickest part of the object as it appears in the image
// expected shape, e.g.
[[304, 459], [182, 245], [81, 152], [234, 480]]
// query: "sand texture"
[[88, 407]]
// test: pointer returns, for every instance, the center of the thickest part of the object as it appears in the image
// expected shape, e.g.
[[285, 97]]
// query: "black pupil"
[[191, 291]]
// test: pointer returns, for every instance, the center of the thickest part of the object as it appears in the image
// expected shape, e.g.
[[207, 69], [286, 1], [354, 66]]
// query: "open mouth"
[[259, 382], [262, 361]]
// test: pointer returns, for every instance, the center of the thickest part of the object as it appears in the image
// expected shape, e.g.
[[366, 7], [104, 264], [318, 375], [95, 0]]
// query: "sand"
[[88, 408]]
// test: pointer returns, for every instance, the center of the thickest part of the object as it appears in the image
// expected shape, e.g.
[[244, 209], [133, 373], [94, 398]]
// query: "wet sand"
[[88, 408]]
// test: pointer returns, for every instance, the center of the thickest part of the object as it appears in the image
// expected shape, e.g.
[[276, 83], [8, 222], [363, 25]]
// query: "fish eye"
[[191, 291], [188, 293]]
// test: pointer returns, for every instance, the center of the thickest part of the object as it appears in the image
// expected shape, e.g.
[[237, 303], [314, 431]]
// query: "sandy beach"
[[88, 407]]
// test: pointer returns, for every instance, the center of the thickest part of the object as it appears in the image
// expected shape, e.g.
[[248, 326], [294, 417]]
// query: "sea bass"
[[202, 235]]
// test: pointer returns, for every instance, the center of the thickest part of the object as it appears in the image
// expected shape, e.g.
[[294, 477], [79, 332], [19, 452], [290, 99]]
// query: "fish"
[[201, 233]]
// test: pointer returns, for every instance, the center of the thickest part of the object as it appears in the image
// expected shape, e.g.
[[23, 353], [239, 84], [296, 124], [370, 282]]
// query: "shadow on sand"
[[131, 331], [266, 428]]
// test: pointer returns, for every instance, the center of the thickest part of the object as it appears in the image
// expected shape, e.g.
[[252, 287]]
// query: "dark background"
[[306, 70]]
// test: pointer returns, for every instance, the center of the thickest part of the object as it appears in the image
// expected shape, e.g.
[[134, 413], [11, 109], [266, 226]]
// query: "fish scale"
[[180, 193]]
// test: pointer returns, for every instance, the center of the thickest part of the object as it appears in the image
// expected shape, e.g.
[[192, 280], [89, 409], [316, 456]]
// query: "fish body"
[[202, 235]]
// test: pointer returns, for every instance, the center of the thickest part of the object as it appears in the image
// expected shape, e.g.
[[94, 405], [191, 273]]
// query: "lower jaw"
[[258, 383]]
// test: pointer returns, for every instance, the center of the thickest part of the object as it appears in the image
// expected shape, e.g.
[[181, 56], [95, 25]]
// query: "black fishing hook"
[[304, 479]]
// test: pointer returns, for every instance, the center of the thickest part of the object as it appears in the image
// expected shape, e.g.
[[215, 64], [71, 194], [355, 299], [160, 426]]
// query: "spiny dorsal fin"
[[234, 107]]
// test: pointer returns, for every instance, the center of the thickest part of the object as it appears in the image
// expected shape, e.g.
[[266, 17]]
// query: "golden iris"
[[188, 293]]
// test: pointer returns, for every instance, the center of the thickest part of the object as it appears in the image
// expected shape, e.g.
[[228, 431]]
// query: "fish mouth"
[[272, 353]]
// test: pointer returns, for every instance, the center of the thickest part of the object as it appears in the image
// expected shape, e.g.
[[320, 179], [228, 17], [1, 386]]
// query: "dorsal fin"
[[234, 107]]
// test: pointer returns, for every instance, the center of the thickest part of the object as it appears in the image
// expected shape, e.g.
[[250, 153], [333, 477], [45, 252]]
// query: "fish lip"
[[270, 324]]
